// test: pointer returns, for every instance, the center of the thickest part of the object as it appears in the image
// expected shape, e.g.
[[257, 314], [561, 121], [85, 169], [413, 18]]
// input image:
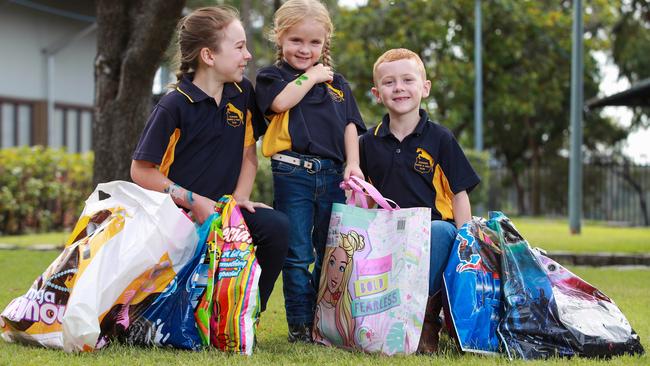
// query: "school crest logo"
[[334, 93], [423, 161], [234, 117]]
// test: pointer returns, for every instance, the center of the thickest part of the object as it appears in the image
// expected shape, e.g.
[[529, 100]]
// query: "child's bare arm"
[[246, 179], [461, 208], [293, 93], [146, 175], [351, 140]]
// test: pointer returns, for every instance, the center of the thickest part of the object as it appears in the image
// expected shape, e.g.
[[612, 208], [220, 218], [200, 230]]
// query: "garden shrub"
[[42, 189]]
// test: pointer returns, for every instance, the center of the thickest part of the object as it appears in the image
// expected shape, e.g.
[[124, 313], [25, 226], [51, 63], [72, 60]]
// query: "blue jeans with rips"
[[306, 197], [443, 234]]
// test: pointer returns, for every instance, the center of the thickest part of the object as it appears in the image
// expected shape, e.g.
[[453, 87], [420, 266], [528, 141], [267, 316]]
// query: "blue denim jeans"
[[443, 234], [306, 197]]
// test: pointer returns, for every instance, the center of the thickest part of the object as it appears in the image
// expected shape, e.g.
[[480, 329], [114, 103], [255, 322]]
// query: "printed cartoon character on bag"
[[334, 303]]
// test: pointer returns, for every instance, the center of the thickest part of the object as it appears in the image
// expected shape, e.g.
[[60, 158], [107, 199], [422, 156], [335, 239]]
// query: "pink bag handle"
[[360, 188]]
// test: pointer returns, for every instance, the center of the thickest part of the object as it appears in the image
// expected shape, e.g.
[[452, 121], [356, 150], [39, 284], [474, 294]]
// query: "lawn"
[[56, 238], [554, 235], [549, 234], [19, 268]]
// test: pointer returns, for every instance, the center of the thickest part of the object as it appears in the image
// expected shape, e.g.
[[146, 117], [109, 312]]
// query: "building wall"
[[24, 33]]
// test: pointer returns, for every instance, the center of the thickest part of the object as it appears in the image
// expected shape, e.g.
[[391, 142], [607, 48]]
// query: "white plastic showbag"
[[123, 252]]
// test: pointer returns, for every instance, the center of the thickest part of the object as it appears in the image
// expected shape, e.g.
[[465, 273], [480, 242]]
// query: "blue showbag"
[[170, 321], [472, 287]]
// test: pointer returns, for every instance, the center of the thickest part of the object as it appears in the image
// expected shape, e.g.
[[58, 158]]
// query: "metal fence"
[[616, 193]]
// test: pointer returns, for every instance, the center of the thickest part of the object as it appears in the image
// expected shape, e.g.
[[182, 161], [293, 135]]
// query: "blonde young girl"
[[198, 143], [313, 131]]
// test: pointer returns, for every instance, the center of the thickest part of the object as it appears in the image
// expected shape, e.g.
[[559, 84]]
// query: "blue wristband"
[[190, 199]]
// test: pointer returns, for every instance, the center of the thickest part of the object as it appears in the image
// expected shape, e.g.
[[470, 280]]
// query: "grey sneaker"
[[300, 333]]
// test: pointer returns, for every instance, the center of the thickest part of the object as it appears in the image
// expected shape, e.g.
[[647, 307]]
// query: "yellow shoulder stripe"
[[249, 138], [377, 128], [444, 194], [168, 158], [185, 94]]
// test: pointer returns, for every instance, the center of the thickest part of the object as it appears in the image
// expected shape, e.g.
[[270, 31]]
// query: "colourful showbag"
[[375, 276], [229, 311], [472, 285], [549, 311], [207, 269], [124, 251]]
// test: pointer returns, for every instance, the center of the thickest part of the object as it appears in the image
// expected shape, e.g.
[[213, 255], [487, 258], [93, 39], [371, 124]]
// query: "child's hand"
[[250, 205], [352, 169], [320, 73], [202, 208]]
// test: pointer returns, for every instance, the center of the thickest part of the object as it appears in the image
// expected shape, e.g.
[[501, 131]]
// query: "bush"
[[42, 189], [263, 187]]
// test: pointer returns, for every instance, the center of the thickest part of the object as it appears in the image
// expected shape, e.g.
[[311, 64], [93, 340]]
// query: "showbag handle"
[[360, 189]]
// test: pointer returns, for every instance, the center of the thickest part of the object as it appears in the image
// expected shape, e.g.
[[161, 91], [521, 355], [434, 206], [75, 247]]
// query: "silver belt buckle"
[[314, 165]]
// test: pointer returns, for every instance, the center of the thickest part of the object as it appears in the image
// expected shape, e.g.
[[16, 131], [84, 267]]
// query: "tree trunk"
[[521, 204], [535, 191], [132, 36]]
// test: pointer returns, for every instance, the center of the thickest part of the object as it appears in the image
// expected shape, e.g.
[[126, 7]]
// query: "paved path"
[[564, 258]]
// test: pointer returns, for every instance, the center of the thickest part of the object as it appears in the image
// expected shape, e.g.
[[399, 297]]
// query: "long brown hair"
[[201, 28]]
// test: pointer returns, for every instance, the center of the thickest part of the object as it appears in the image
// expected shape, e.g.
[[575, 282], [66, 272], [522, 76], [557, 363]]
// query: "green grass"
[[554, 235], [629, 288], [57, 238], [548, 234]]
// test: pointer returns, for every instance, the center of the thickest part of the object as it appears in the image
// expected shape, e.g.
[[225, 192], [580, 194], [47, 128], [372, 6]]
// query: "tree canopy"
[[526, 67]]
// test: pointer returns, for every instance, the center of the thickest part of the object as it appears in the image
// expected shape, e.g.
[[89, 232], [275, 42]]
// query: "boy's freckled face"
[[399, 85]]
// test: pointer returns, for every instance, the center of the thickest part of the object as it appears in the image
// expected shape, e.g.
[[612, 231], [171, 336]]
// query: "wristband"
[[174, 191], [190, 199]]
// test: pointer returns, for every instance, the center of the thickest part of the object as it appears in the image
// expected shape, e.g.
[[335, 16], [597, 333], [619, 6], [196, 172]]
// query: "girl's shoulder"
[[173, 100], [245, 85], [339, 80], [269, 70]]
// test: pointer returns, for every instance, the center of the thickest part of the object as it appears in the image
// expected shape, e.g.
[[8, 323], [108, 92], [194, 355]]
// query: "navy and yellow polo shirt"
[[316, 125], [197, 143], [426, 169]]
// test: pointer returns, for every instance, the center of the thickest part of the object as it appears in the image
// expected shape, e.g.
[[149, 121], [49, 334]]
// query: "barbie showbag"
[[124, 251], [375, 276], [472, 288]]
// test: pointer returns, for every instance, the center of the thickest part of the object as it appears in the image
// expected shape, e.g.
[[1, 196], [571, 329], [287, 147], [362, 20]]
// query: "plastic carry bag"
[[170, 320], [375, 277], [124, 250], [228, 313], [549, 311], [472, 288]]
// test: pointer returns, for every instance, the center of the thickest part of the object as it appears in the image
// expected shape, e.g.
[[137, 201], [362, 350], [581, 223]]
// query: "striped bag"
[[229, 311]]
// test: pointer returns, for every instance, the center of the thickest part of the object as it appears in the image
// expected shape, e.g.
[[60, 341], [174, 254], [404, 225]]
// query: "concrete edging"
[[600, 259]]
